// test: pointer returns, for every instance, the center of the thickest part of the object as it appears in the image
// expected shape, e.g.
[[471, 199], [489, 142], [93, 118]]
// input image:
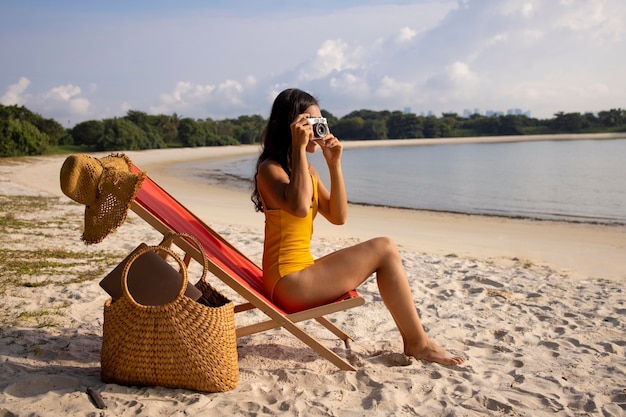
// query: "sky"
[[77, 60]]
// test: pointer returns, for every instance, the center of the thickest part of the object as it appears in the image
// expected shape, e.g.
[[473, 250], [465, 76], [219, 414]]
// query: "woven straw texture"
[[106, 187], [183, 344], [116, 190]]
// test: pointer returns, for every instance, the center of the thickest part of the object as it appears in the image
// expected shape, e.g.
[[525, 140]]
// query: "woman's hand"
[[331, 148], [301, 131]]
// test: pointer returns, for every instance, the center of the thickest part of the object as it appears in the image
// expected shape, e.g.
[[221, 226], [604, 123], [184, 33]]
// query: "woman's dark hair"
[[276, 137]]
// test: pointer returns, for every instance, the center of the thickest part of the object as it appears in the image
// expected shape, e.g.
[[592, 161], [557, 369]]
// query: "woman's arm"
[[277, 188], [333, 204]]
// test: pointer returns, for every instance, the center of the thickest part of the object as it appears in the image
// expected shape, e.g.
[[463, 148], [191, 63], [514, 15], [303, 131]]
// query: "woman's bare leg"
[[344, 270]]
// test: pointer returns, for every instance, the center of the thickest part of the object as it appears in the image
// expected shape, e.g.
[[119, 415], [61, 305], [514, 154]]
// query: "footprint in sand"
[[393, 359]]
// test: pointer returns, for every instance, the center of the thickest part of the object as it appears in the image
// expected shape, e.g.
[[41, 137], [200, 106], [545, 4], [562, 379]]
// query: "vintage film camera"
[[320, 127]]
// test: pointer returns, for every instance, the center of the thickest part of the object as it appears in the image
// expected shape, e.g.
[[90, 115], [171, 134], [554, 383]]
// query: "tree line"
[[23, 132]]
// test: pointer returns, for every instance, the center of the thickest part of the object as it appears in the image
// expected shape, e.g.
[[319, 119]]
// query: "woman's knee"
[[386, 247]]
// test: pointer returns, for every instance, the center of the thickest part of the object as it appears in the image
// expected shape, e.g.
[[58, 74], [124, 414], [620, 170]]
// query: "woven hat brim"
[[117, 190]]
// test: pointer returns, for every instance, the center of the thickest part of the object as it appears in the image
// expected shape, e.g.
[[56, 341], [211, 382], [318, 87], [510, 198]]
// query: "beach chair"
[[163, 212]]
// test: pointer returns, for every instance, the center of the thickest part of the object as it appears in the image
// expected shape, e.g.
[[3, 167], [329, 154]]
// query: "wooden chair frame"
[[149, 204]]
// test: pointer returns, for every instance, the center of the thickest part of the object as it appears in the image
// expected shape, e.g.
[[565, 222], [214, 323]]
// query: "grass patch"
[[8, 221], [20, 265], [69, 149], [45, 317], [20, 314], [23, 217], [26, 203], [13, 208], [27, 268]]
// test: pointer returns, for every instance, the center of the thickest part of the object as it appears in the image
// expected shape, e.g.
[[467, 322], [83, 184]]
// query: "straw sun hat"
[[106, 186]]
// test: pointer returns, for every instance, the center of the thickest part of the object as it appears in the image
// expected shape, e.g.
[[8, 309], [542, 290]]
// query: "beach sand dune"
[[543, 333]]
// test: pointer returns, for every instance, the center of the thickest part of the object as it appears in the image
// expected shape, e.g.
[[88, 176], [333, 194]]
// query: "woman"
[[288, 190]]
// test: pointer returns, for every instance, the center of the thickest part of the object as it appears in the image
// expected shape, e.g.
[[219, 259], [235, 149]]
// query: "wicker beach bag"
[[183, 344]]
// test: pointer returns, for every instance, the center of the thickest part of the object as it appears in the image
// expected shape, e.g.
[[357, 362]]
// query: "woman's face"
[[312, 111]]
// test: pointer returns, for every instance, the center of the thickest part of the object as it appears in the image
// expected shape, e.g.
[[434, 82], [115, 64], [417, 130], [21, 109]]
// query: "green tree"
[[431, 128], [121, 134], [148, 124], [483, 125], [373, 129], [568, 122], [248, 129], [168, 127], [88, 133], [225, 129], [57, 133], [591, 120], [330, 118], [191, 133], [612, 118], [349, 127], [364, 114], [53, 131], [449, 124], [511, 125], [404, 126], [21, 137]]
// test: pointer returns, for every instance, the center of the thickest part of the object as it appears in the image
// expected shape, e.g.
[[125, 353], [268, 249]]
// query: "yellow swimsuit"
[[287, 246]]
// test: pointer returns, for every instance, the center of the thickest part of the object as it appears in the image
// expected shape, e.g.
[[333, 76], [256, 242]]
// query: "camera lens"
[[320, 130]]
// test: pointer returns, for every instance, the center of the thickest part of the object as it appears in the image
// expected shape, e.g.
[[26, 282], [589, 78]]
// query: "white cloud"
[[406, 34], [66, 99], [600, 19], [527, 9], [517, 8], [230, 86], [231, 90], [390, 87], [452, 77], [186, 93], [79, 106], [332, 55], [14, 93], [531, 36], [190, 96], [62, 102], [63, 92], [498, 38], [350, 84]]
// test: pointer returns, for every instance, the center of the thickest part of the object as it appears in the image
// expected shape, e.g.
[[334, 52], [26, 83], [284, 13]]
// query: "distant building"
[[467, 113]]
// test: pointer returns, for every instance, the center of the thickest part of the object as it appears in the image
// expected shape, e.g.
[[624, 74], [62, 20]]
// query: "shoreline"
[[581, 250], [484, 139], [215, 175], [564, 219]]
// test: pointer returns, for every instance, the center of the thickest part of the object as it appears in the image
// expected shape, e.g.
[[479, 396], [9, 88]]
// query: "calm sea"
[[578, 180]]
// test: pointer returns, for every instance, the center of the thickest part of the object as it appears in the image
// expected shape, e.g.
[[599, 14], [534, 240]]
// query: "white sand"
[[537, 307]]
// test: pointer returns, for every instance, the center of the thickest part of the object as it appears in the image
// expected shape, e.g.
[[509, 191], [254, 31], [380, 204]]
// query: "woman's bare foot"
[[432, 352]]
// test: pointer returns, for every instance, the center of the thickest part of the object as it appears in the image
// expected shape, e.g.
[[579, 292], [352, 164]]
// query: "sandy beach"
[[537, 307]]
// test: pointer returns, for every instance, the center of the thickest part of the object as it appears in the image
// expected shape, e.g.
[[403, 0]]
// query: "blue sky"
[[80, 60]]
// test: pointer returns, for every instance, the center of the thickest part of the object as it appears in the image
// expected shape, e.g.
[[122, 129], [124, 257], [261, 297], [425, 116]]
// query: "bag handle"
[[137, 254], [169, 238]]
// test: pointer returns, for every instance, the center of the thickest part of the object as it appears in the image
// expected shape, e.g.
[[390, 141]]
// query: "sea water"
[[572, 180]]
